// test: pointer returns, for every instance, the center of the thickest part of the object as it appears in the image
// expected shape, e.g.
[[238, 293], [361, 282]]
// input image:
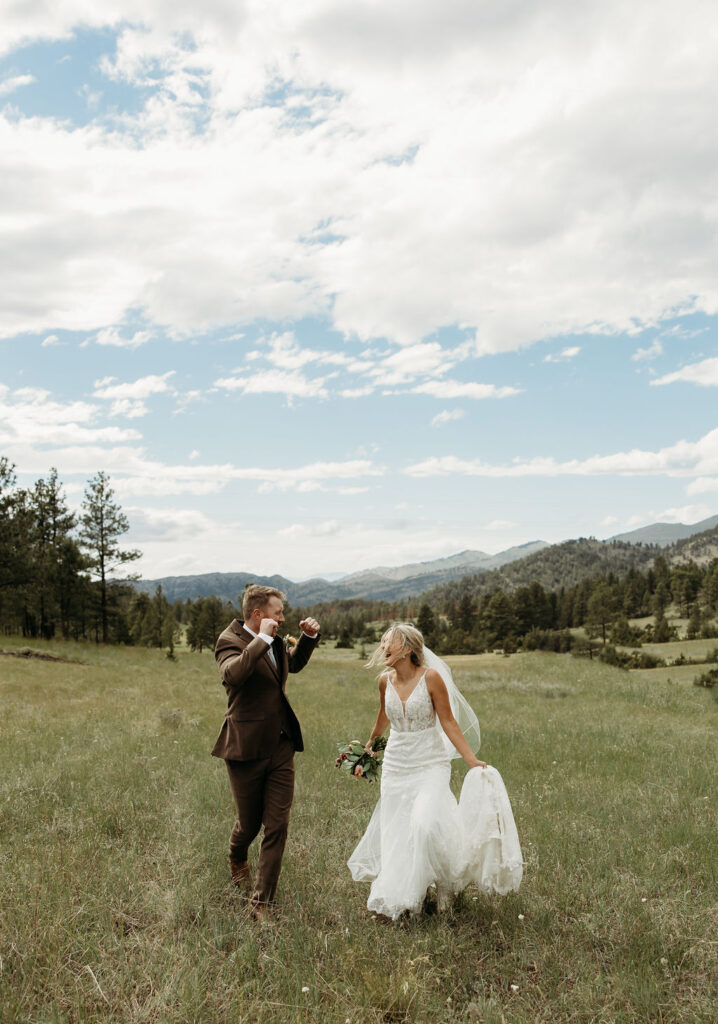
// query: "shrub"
[[626, 635], [583, 648], [643, 659], [708, 679], [556, 640]]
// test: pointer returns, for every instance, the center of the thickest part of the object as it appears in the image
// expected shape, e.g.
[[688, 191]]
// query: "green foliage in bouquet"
[[354, 759]]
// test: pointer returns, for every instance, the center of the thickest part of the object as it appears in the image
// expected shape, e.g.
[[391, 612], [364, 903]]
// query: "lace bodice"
[[413, 716]]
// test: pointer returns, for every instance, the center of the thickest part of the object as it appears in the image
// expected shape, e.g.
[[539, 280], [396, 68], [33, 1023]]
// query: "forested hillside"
[[561, 565], [702, 548]]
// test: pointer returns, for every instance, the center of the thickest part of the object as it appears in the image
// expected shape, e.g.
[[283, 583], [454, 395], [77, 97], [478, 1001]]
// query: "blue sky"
[[325, 289]]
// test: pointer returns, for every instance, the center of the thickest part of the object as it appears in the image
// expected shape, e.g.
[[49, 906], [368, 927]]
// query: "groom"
[[260, 734]]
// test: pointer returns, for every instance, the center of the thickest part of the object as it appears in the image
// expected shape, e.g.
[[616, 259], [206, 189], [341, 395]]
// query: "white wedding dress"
[[418, 835]]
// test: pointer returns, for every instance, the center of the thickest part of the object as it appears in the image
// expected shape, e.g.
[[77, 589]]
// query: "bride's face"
[[393, 651]]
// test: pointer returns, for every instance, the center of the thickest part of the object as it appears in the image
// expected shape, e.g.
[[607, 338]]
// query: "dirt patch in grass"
[[27, 652]]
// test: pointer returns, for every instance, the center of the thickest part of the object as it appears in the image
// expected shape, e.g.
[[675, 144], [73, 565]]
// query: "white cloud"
[[652, 352], [148, 477], [143, 387], [501, 524], [16, 82], [703, 485], [311, 475], [684, 514], [609, 521], [29, 416], [684, 458], [525, 176], [51, 339], [446, 416], [361, 392], [413, 361], [459, 389], [166, 525], [704, 373], [128, 408], [111, 336], [299, 530], [567, 353], [285, 352], [291, 384]]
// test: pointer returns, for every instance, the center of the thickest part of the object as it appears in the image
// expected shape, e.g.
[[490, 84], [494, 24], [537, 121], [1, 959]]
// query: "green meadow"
[[114, 897]]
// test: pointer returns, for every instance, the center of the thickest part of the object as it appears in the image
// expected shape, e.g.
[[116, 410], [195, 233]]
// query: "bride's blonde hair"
[[411, 641]]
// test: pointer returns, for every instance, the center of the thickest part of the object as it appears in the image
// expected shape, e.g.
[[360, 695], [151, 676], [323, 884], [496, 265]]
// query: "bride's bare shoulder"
[[433, 679]]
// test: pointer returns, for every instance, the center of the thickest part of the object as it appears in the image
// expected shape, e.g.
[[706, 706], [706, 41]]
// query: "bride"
[[418, 835]]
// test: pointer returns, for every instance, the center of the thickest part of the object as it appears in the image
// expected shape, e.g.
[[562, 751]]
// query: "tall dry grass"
[[115, 904]]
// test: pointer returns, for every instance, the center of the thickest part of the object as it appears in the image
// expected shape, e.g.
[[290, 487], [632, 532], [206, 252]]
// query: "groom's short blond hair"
[[256, 596]]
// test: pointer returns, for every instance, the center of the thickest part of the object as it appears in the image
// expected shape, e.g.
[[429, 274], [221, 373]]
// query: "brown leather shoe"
[[240, 874], [258, 912]]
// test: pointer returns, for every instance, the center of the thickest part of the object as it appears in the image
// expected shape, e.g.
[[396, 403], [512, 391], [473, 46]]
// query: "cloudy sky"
[[324, 286]]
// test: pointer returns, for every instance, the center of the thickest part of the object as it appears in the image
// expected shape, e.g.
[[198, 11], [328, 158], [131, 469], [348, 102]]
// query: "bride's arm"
[[440, 699], [382, 719]]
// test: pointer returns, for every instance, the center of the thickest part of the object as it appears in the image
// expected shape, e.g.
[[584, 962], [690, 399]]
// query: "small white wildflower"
[[474, 898], [305, 988], [521, 917], [514, 988], [644, 899], [554, 762], [664, 961]]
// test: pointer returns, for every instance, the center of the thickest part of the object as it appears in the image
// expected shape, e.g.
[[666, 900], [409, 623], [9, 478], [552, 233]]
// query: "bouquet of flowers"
[[354, 758]]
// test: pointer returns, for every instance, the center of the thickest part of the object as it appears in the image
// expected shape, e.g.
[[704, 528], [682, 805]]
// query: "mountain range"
[[553, 565], [383, 583], [665, 534]]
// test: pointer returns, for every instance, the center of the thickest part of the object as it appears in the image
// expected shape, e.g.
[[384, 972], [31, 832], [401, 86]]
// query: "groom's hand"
[[268, 626], [309, 626]]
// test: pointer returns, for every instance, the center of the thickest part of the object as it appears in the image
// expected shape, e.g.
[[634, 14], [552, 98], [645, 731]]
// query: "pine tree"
[[102, 524], [15, 550], [53, 523], [426, 622], [693, 628], [601, 607], [466, 615]]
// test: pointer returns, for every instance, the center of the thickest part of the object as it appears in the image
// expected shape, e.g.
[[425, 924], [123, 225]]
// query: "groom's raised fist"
[[268, 626], [309, 626]]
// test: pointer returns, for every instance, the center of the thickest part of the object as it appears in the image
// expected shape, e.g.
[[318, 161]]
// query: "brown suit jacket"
[[257, 706]]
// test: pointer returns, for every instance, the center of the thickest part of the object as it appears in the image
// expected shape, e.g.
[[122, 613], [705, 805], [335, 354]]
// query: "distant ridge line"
[[552, 565]]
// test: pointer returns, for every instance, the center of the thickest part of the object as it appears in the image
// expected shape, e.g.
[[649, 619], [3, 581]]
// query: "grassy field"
[[114, 896], [697, 649]]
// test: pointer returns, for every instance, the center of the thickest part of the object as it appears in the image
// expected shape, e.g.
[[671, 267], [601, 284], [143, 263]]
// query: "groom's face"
[[274, 609]]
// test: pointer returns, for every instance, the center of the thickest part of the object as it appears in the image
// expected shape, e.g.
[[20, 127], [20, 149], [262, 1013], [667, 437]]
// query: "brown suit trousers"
[[263, 792]]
